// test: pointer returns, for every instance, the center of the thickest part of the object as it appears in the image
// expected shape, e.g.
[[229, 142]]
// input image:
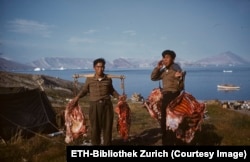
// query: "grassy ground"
[[223, 127]]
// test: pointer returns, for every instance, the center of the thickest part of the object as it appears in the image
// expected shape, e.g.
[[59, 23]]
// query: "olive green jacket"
[[98, 90], [169, 81]]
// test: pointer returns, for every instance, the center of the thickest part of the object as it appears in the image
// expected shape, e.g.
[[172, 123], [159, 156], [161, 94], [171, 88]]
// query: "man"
[[101, 113], [172, 79]]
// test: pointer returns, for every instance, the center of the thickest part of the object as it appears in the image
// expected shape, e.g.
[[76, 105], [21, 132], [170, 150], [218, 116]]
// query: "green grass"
[[233, 127], [223, 128]]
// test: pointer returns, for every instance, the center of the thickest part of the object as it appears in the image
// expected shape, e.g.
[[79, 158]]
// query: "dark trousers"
[[168, 136], [101, 115]]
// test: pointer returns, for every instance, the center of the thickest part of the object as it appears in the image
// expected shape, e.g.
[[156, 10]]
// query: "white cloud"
[[81, 40], [129, 32], [29, 27], [91, 31]]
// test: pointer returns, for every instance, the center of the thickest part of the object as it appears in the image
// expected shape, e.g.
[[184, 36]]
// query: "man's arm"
[[157, 71], [112, 91], [82, 93], [115, 94], [156, 74]]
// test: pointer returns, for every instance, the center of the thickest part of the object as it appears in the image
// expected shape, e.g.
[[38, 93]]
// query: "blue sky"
[[194, 29]]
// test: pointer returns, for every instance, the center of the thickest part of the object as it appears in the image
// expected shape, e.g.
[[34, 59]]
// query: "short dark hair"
[[99, 60], [169, 52]]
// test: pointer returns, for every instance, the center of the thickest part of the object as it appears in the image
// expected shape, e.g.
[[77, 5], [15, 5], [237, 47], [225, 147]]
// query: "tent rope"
[[24, 128]]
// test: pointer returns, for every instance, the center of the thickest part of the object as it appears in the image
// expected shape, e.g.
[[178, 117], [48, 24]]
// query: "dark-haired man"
[[100, 89], [171, 75]]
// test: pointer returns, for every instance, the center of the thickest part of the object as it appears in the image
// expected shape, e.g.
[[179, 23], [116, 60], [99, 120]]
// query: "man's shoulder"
[[107, 76], [176, 67]]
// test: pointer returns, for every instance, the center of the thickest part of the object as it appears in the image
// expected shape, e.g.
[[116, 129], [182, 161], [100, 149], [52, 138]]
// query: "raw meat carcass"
[[184, 115], [75, 122], [124, 117], [153, 104]]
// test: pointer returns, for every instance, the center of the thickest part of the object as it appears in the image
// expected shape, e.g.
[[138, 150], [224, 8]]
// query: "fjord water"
[[201, 82]]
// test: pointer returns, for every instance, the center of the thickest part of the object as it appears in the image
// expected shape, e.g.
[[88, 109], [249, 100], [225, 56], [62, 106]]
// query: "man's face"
[[167, 60], [99, 68]]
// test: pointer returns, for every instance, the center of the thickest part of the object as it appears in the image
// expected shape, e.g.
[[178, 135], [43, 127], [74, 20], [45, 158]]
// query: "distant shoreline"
[[30, 76]]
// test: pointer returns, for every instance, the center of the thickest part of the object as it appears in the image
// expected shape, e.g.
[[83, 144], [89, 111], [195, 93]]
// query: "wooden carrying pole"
[[122, 77], [92, 75]]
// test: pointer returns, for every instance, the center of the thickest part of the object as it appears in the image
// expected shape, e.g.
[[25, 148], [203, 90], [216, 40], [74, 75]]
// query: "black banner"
[[80, 153]]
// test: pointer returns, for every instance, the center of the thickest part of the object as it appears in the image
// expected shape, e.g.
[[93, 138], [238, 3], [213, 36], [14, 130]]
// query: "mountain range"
[[223, 59]]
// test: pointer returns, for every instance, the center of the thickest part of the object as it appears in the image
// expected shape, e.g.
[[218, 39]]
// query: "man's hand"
[[160, 64], [123, 97], [74, 102]]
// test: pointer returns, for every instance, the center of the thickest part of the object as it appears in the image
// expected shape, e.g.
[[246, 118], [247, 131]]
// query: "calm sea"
[[201, 82]]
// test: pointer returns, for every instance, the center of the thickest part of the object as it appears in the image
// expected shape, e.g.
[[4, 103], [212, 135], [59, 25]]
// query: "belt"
[[101, 101]]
